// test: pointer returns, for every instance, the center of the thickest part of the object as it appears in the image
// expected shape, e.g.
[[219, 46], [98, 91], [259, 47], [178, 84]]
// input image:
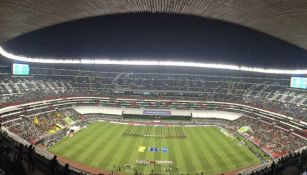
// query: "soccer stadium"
[[153, 87]]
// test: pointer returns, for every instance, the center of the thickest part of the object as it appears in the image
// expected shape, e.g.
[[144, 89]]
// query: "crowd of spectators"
[[272, 94], [11, 159], [295, 163], [274, 139], [289, 109], [40, 126]]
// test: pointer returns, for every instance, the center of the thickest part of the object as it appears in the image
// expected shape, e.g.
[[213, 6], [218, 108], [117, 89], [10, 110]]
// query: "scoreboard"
[[298, 82], [20, 69]]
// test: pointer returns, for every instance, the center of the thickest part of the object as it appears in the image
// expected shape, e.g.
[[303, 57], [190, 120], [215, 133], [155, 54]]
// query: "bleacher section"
[[41, 107], [272, 93]]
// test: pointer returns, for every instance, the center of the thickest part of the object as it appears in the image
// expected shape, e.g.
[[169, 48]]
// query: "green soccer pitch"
[[196, 149]]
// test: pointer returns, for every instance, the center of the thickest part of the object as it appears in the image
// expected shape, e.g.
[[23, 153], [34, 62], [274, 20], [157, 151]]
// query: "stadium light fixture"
[[12, 56]]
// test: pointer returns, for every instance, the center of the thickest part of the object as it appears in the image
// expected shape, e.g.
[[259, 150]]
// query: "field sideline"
[[207, 149]]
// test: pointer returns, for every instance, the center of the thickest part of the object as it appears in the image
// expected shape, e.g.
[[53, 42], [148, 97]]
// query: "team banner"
[[244, 129], [153, 112], [159, 162]]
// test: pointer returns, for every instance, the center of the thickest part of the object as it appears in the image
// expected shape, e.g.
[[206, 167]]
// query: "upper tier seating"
[[267, 92]]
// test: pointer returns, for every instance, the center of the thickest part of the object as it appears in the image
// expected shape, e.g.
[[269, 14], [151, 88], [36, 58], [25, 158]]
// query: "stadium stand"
[[274, 140], [39, 126], [36, 122], [271, 94]]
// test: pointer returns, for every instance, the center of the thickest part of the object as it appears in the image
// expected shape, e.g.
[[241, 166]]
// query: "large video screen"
[[20, 69], [299, 82]]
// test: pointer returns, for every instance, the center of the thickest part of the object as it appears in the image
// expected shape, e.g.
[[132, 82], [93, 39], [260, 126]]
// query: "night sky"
[[160, 36]]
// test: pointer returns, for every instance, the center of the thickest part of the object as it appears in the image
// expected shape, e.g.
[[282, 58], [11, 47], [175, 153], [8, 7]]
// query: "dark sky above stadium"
[[160, 36]]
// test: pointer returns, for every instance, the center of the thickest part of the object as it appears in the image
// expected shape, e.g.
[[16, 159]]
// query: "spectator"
[[53, 165], [66, 169], [30, 152]]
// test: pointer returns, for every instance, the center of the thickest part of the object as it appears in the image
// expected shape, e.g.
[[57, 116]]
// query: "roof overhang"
[[286, 20]]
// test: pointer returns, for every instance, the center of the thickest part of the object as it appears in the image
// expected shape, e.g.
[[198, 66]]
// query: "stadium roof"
[[284, 19]]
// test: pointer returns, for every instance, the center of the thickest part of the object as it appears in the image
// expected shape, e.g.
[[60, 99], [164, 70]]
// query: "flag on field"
[[164, 149], [153, 149], [142, 149]]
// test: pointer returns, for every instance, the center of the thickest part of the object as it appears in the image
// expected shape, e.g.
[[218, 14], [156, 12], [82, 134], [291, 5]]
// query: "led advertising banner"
[[152, 112]]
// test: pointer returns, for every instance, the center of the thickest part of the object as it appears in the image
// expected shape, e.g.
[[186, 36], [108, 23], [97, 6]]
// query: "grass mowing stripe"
[[81, 137], [135, 131], [181, 133], [128, 130], [111, 147], [109, 144], [76, 138], [87, 144], [159, 131], [232, 153], [175, 129], [122, 155], [157, 155], [172, 154], [142, 156], [241, 152], [224, 151], [200, 152], [94, 150], [128, 151], [204, 146], [142, 130], [164, 156], [181, 167], [217, 158], [211, 156], [103, 142], [135, 154], [186, 155], [247, 154], [148, 130], [191, 151], [168, 131], [227, 148]]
